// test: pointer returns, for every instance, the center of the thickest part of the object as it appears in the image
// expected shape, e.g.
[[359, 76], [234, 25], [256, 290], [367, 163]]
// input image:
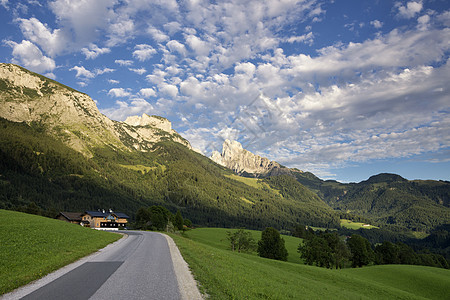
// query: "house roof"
[[71, 216], [101, 214]]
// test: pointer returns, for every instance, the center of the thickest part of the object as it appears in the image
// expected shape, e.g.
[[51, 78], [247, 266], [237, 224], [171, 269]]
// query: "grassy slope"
[[33, 246], [227, 275], [217, 237]]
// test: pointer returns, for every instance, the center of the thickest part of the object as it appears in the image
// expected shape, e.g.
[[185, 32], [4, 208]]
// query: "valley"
[[59, 153]]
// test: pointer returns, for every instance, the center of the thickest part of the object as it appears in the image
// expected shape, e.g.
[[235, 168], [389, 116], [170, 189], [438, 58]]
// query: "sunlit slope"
[[229, 275]]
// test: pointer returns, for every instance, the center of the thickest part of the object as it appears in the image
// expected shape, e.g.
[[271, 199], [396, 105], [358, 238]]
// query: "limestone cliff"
[[73, 116], [239, 160]]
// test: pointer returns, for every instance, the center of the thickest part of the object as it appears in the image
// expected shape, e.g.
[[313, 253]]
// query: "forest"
[[41, 174]]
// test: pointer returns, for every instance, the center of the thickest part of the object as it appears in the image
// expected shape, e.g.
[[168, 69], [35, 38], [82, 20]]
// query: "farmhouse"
[[71, 217], [100, 220]]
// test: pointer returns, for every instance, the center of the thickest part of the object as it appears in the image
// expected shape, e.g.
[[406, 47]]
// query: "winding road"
[[142, 265]]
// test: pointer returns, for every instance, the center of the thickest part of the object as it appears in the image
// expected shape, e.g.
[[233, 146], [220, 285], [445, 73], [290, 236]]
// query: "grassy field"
[[217, 237], [355, 225], [33, 246], [229, 275]]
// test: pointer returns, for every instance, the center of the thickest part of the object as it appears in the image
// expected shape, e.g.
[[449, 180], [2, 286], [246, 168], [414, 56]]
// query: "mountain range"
[[58, 152]]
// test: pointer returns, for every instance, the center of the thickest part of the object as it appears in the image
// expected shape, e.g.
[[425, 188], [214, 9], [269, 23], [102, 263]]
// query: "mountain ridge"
[[30, 97]]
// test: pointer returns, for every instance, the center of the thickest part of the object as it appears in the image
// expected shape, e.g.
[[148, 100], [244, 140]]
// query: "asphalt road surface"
[[138, 267]]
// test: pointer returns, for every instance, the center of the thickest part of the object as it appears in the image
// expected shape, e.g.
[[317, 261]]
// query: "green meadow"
[[224, 274], [32, 246], [355, 225]]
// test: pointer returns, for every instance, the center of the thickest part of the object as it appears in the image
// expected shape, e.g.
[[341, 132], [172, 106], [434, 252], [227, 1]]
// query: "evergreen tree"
[[361, 251], [178, 223], [272, 245]]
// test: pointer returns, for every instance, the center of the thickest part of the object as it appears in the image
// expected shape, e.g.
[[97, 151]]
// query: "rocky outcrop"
[[239, 160], [73, 116]]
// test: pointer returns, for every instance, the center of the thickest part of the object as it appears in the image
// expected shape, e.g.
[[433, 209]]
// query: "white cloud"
[[28, 55], [377, 24], [409, 10], [158, 35], [175, 46], [168, 89], [139, 71], [83, 18], [120, 32], [103, 71], [200, 47], [123, 109], [93, 51], [52, 42], [82, 72], [147, 92], [113, 81], [4, 3], [119, 92], [423, 22], [143, 52], [306, 38], [123, 62]]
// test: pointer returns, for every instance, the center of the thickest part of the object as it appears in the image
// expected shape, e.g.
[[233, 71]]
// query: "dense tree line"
[[329, 250]]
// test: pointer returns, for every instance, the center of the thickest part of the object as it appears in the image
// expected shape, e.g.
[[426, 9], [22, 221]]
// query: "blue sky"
[[344, 89]]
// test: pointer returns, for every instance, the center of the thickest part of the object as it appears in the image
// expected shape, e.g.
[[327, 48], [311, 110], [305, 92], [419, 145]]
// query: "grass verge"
[[33, 246], [229, 275]]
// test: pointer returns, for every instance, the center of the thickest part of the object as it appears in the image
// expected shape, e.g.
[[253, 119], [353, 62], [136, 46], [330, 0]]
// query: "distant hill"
[[58, 152], [388, 199]]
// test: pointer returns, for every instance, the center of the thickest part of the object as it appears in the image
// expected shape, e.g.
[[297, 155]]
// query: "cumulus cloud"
[[147, 92], [409, 10], [158, 35], [139, 71], [82, 72], [305, 38], [143, 52], [123, 62], [176, 46], [52, 42], [168, 89], [30, 56], [377, 24], [93, 51], [103, 71], [83, 18], [124, 109], [119, 92], [113, 81]]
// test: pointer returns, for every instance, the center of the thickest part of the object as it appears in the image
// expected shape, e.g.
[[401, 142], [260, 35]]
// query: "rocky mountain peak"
[[73, 116], [153, 121], [240, 160]]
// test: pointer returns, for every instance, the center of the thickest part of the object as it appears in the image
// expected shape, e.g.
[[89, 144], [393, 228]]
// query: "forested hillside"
[[41, 174], [388, 199]]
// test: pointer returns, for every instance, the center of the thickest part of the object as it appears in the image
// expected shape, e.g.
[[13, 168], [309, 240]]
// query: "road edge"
[[30, 287], [186, 282]]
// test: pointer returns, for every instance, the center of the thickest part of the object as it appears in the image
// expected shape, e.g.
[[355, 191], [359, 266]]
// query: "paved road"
[[139, 267]]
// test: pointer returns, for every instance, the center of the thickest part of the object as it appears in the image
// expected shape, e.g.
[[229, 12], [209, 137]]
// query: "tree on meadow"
[[361, 251], [241, 241], [272, 245]]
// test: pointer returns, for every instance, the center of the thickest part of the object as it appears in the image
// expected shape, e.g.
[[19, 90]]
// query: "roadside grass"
[[355, 225], [32, 246], [224, 274]]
